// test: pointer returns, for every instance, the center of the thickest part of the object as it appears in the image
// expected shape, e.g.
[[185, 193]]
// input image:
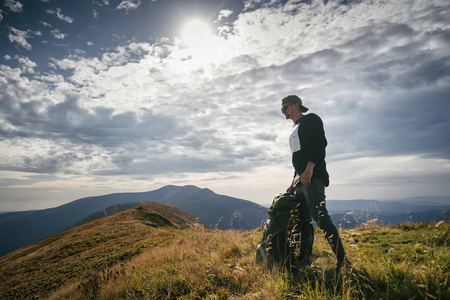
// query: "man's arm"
[[307, 174], [318, 140]]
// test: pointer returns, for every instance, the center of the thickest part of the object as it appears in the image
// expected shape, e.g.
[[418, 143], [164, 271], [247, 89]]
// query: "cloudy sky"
[[102, 96]]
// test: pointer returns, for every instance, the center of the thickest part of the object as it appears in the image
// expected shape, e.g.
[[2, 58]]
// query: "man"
[[307, 142]]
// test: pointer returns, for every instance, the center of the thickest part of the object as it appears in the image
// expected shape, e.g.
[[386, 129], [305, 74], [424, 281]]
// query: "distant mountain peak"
[[161, 214], [218, 211]]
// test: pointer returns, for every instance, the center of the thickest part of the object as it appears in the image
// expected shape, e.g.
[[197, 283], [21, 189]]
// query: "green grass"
[[127, 259]]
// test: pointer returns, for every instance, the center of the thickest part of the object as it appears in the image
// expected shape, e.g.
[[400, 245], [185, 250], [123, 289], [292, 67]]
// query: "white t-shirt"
[[294, 140]]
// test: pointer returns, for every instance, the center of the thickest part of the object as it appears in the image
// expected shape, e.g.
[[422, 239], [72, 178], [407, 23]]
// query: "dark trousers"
[[313, 198]]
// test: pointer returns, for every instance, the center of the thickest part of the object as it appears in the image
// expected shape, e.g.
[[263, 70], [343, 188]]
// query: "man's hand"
[[307, 174], [291, 190]]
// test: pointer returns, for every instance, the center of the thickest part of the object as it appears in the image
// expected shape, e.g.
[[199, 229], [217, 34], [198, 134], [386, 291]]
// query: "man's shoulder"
[[311, 117]]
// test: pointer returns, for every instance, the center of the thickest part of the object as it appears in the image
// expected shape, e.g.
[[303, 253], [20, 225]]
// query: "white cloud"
[[59, 15], [20, 37], [27, 66], [102, 2], [225, 13], [1, 15], [57, 34], [250, 4], [45, 24], [128, 5], [14, 5]]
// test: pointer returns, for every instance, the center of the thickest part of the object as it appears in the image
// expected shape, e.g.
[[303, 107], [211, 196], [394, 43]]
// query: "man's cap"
[[294, 99]]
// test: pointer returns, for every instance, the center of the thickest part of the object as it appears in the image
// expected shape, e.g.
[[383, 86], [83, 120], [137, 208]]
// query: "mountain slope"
[[109, 211], [122, 257], [45, 265], [21, 228], [217, 211]]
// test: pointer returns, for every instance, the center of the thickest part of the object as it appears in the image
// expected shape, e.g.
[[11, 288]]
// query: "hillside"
[[109, 211], [155, 251], [48, 264], [19, 229]]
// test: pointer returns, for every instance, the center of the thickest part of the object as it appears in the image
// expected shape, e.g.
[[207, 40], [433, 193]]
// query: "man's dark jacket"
[[312, 147]]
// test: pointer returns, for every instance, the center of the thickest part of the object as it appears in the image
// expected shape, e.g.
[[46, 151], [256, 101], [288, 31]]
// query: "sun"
[[195, 33], [198, 48]]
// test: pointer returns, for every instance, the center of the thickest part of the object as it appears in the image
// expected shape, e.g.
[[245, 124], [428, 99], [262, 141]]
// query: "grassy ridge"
[[127, 257], [44, 266], [402, 262]]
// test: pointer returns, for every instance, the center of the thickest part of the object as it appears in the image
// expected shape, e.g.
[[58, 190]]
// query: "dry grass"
[[45, 266], [131, 260], [219, 265]]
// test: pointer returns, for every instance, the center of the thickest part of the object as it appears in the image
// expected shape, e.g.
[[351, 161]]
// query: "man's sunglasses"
[[284, 107]]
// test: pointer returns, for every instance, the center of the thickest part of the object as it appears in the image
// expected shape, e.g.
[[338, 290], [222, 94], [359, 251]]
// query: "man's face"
[[286, 109]]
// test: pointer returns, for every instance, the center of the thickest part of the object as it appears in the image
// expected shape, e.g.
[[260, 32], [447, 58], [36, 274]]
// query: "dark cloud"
[[49, 164], [80, 129], [266, 137], [425, 73], [100, 126], [307, 66], [413, 123], [417, 123]]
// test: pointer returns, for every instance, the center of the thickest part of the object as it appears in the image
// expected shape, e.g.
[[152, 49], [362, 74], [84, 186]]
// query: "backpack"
[[286, 241]]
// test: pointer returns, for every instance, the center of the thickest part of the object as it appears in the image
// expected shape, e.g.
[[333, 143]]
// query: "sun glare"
[[198, 48], [195, 33]]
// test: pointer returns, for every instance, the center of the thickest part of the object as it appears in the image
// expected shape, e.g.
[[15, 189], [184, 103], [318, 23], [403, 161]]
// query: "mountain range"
[[351, 213], [18, 229]]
